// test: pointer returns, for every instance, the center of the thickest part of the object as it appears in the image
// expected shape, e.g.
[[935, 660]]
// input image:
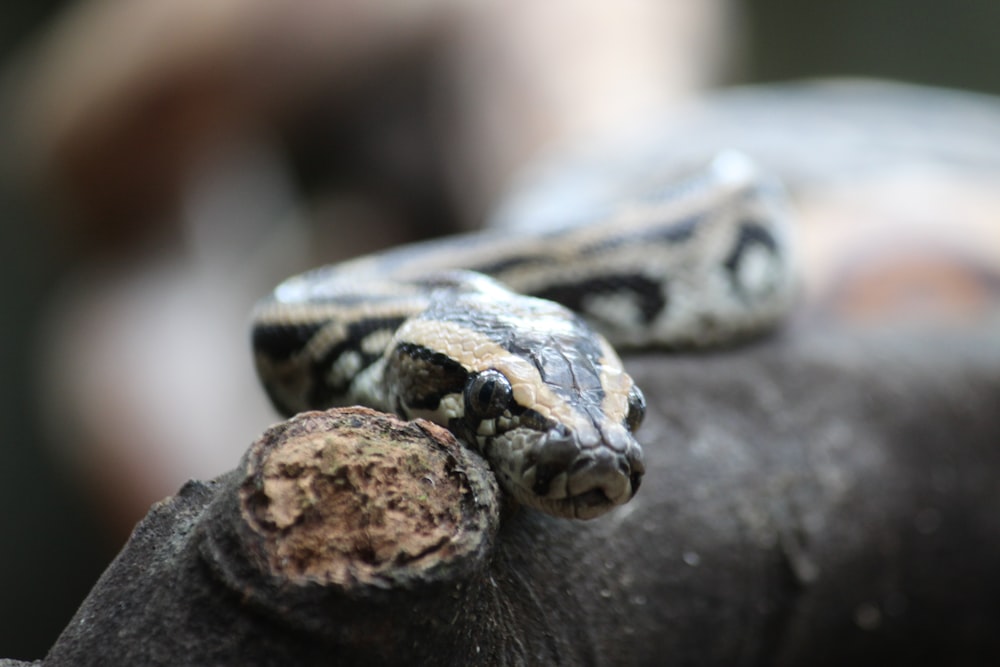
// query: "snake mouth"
[[594, 482]]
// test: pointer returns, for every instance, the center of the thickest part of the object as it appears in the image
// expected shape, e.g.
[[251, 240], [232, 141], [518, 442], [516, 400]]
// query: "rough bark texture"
[[820, 498]]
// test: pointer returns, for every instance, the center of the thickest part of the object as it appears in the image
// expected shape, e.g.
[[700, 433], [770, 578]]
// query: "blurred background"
[[162, 165]]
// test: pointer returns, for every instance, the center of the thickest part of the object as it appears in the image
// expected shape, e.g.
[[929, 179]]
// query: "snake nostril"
[[635, 479], [632, 469], [637, 468], [623, 467], [581, 463]]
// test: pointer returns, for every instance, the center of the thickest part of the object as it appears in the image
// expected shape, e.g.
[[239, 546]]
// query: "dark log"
[[820, 498]]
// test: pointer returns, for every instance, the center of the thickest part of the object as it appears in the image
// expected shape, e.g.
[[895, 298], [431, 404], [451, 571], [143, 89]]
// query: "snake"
[[508, 337]]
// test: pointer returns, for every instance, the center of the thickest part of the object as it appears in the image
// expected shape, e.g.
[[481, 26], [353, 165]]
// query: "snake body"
[[494, 335]]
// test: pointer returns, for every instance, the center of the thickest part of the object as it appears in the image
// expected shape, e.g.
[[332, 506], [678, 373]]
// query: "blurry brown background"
[[163, 164]]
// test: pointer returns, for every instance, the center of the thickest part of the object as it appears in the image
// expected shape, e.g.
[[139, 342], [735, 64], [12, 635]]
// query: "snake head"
[[575, 466], [532, 387]]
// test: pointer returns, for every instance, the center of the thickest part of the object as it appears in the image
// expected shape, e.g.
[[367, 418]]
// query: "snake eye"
[[636, 408], [487, 395]]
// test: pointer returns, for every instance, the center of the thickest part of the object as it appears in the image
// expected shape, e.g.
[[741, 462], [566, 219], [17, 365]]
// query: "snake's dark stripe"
[[751, 234], [499, 267], [325, 392], [435, 369], [649, 294], [561, 368], [283, 341]]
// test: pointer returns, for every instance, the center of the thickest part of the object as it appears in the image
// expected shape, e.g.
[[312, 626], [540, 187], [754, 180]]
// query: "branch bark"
[[821, 498]]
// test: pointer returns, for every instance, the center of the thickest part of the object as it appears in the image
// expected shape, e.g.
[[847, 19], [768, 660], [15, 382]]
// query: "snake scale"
[[494, 335]]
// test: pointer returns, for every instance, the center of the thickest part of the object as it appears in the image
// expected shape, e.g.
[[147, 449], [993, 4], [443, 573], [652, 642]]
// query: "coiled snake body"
[[493, 334]]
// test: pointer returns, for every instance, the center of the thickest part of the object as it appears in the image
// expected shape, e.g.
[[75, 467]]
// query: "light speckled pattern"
[[528, 382]]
